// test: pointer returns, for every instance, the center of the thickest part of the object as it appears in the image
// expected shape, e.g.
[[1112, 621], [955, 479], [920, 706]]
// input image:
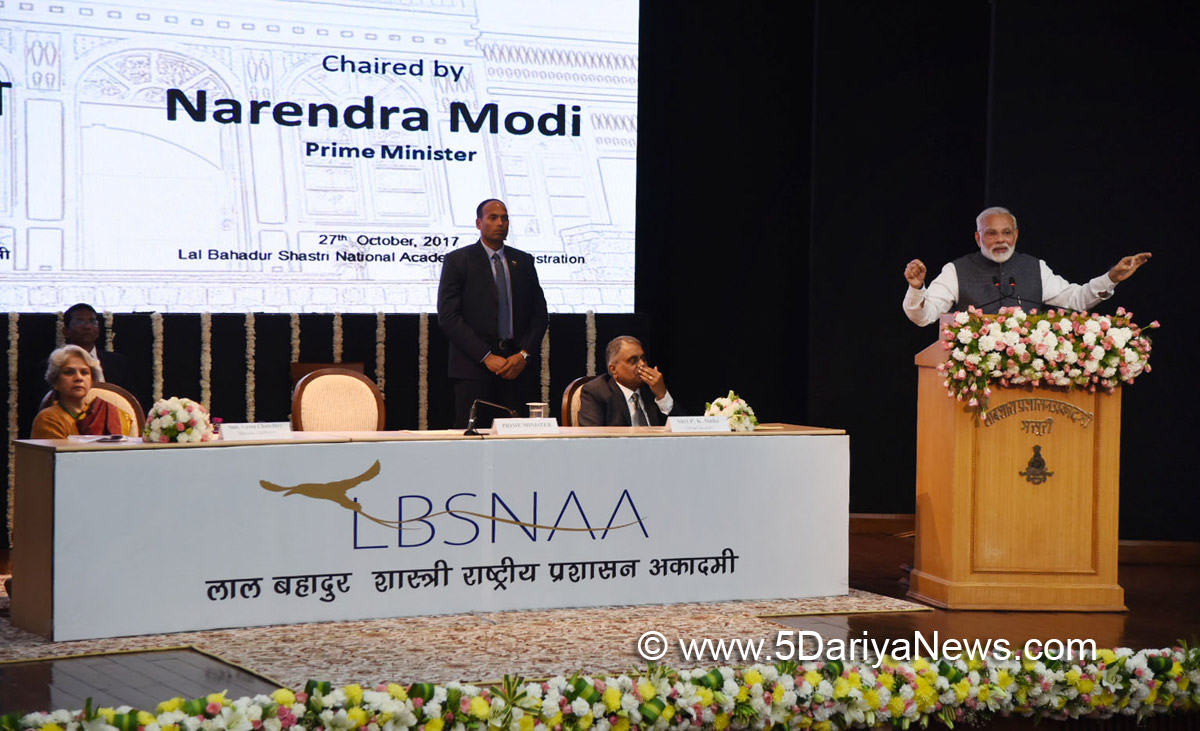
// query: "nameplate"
[[509, 427], [684, 424], [257, 430]]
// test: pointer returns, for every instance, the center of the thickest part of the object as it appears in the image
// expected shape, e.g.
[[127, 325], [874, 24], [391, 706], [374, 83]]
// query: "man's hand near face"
[[652, 378]]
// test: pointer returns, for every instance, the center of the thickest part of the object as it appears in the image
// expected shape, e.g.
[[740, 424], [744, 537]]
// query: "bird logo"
[[333, 491], [336, 492]]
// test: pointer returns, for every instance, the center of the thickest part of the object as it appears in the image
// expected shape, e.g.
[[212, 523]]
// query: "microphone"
[[1012, 287], [471, 432]]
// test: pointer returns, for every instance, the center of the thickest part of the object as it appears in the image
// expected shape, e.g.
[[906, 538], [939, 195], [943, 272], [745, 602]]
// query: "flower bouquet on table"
[[741, 416], [1051, 348], [178, 420]]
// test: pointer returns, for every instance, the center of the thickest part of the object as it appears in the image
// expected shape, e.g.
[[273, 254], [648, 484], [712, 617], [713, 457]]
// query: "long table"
[[129, 539]]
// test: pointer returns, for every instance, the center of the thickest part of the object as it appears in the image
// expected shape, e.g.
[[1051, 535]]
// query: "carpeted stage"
[[466, 647]]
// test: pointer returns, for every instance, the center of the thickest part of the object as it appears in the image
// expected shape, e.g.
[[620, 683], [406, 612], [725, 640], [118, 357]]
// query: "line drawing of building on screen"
[[104, 199]]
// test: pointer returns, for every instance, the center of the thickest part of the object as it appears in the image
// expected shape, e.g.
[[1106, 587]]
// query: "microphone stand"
[[471, 431]]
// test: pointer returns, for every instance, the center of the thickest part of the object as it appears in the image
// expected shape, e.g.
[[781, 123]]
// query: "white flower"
[[580, 707], [1120, 336], [965, 336], [961, 318]]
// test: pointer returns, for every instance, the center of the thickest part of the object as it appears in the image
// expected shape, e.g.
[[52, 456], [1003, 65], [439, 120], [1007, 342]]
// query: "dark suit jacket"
[[469, 310], [602, 403]]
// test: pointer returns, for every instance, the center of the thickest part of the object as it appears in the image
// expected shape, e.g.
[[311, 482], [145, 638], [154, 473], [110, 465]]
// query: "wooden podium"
[[1018, 512]]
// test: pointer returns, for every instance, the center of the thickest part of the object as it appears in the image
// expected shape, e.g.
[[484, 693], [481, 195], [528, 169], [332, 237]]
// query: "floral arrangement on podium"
[[1051, 348], [741, 416], [786, 696], [178, 420]]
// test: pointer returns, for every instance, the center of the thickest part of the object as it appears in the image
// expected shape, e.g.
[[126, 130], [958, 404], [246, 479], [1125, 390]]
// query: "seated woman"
[[73, 412]]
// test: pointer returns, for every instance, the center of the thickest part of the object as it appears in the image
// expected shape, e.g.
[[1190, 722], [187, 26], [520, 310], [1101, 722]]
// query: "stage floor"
[[1161, 600]]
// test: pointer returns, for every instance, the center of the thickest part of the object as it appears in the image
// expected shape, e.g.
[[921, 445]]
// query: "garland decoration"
[[60, 338], [788, 696], [590, 319], [546, 366], [337, 337], [423, 372], [250, 360], [110, 337], [380, 351], [13, 336], [1053, 348], [206, 360], [156, 351], [295, 320]]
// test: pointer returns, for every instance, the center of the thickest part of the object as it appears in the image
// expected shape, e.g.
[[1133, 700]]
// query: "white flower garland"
[[13, 337], [250, 363], [295, 320], [206, 360], [60, 338], [156, 351], [337, 337], [590, 319], [789, 696], [380, 340], [546, 366], [110, 337], [423, 373]]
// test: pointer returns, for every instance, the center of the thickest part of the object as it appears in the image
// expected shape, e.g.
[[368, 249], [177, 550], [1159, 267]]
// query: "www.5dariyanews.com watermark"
[[806, 645]]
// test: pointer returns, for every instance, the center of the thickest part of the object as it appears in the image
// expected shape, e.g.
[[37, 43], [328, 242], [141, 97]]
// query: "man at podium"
[[997, 276]]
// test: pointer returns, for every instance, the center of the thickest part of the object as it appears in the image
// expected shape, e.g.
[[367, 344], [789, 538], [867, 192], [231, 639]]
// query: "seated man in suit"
[[632, 393]]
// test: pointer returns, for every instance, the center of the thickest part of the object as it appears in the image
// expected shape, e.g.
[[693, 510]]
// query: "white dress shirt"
[[924, 306], [664, 404]]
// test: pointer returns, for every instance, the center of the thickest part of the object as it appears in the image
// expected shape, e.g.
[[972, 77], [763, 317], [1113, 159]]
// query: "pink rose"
[[213, 708], [164, 438]]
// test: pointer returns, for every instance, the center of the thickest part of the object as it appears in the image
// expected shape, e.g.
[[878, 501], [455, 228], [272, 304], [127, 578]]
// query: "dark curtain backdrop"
[[792, 161]]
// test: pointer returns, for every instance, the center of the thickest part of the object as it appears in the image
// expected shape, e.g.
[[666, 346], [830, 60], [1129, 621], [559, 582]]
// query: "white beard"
[[998, 259]]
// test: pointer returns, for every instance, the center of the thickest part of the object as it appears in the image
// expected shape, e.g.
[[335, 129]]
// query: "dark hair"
[[73, 309], [479, 208]]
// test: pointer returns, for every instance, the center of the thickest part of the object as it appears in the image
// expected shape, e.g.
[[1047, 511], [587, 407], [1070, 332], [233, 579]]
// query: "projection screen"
[[311, 156]]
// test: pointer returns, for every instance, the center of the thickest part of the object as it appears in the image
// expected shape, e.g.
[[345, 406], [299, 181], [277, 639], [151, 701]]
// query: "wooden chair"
[[123, 400], [337, 399], [113, 394], [571, 400], [300, 370]]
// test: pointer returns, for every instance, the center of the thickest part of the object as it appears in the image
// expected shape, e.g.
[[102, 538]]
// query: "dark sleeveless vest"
[[978, 275]]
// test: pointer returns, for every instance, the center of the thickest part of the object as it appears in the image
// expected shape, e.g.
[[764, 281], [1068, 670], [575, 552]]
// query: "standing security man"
[[491, 307]]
